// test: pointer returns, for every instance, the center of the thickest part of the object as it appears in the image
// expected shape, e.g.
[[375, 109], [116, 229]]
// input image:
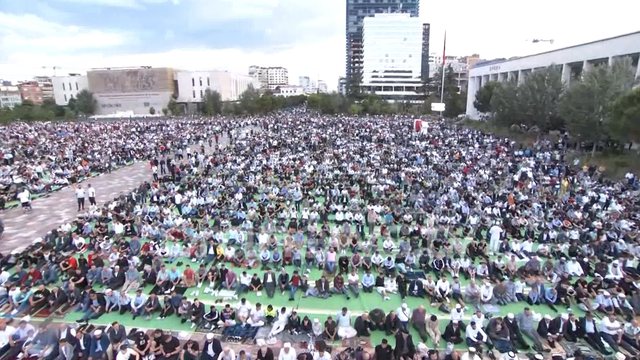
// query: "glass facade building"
[[357, 11]]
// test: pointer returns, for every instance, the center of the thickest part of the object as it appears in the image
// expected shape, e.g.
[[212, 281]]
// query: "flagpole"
[[444, 60]]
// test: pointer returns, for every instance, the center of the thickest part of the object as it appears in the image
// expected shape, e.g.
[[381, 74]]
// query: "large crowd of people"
[[44, 157], [469, 223]]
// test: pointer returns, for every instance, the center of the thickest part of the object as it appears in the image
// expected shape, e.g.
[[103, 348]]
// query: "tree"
[[173, 107], [505, 105], [454, 103], [539, 96], [625, 124], [152, 110], [72, 104], [482, 102], [165, 111], [212, 102], [587, 106], [85, 103]]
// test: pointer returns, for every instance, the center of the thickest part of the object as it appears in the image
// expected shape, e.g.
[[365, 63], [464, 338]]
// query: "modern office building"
[[270, 77], [357, 11], [571, 61], [392, 66], [9, 96], [67, 87], [342, 85], [193, 84]]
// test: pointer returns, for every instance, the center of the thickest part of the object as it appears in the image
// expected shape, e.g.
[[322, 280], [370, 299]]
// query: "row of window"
[[64, 88], [193, 82]]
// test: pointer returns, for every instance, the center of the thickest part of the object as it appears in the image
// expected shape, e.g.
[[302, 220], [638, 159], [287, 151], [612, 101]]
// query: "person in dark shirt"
[[363, 325], [306, 326], [38, 299], [196, 313], [170, 347], [330, 329], [212, 318], [141, 343], [383, 351], [452, 333], [79, 280], [392, 323], [191, 350], [256, 284]]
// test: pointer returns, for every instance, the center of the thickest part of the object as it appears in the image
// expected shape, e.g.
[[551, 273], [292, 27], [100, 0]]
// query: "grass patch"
[[614, 166]]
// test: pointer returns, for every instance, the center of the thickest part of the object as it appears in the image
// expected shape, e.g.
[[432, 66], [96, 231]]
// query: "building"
[[67, 87], [289, 90], [322, 87], [269, 77], [342, 85], [131, 89], [571, 61], [46, 86], [31, 91], [9, 97], [357, 11], [307, 84], [392, 66], [193, 84], [425, 66]]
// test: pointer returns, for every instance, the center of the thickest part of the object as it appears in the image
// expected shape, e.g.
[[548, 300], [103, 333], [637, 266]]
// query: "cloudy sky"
[[306, 36]]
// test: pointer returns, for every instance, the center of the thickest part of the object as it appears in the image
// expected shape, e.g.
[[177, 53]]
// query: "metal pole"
[[444, 69]]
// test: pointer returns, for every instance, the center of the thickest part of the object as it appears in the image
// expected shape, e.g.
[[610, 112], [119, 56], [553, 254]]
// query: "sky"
[[306, 36]]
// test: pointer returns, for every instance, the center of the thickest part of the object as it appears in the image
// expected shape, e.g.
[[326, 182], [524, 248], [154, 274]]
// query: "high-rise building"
[[45, 83], [357, 11], [393, 66]]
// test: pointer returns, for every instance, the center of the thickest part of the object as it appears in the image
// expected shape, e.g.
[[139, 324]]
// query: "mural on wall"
[[130, 80]]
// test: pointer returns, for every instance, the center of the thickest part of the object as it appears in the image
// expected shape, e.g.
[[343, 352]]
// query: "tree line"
[[598, 106], [82, 104]]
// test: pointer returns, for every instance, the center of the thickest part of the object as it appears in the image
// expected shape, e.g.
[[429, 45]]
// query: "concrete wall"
[[580, 57], [66, 87]]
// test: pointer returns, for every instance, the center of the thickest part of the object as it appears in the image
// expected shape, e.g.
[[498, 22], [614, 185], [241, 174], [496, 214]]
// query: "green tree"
[[505, 105], [152, 110], [625, 121], [72, 104], [538, 98], [165, 111], [174, 108], [212, 102], [482, 103], [455, 105], [85, 103], [248, 100], [588, 104]]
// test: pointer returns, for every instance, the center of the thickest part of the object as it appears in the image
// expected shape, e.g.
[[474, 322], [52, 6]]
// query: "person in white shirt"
[[494, 241], [91, 192], [25, 200], [443, 289], [611, 331], [287, 353], [475, 335], [80, 197], [470, 354], [126, 353], [458, 314], [6, 332], [227, 354], [486, 292], [478, 318], [573, 268]]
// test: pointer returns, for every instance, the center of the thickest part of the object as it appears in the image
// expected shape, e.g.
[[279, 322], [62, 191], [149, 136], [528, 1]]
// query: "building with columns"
[[573, 61]]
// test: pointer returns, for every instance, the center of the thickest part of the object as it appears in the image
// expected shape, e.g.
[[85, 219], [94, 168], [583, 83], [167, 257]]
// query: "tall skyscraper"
[[357, 10]]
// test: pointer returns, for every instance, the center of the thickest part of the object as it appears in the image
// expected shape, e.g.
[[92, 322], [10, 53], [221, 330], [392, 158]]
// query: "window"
[[70, 87], [201, 94], [208, 82], [194, 94], [200, 81], [65, 96], [193, 83], [76, 86], [64, 88]]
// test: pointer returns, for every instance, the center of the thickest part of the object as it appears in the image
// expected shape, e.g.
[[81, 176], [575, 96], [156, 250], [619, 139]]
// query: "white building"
[[193, 84], [270, 77], [289, 90], [66, 87], [9, 97], [573, 61], [392, 56], [322, 87]]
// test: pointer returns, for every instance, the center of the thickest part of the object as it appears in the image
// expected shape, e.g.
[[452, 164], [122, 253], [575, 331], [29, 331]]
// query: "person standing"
[[91, 192], [25, 200], [80, 196]]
